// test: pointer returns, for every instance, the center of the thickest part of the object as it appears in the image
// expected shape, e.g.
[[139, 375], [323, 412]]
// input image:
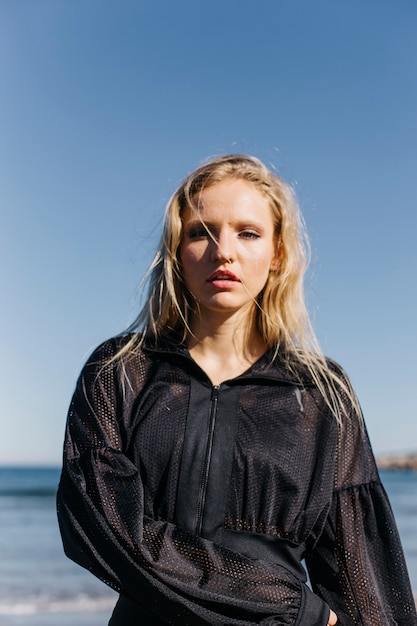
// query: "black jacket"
[[199, 503]]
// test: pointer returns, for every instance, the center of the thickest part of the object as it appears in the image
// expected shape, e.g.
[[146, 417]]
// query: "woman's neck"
[[227, 349]]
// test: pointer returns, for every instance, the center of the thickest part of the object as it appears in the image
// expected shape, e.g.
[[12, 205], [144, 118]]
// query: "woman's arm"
[[358, 564]]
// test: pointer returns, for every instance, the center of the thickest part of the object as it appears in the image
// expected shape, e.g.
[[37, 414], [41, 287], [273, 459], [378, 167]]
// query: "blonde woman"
[[212, 449]]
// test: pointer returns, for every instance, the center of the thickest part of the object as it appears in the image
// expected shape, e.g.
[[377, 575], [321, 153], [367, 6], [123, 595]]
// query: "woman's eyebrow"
[[241, 223], [199, 222]]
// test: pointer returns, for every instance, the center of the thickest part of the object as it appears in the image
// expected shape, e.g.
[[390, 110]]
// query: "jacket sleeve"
[[171, 572], [358, 565]]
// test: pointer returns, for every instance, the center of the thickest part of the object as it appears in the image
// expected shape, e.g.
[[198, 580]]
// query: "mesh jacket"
[[199, 503]]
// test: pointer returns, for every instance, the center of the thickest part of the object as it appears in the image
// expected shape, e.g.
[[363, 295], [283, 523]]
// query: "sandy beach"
[[406, 461]]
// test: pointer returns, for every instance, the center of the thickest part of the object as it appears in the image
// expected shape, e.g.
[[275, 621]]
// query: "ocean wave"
[[24, 492], [35, 605], [28, 482]]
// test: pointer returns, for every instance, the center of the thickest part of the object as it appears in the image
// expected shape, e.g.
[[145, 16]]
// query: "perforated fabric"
[[293, 486]]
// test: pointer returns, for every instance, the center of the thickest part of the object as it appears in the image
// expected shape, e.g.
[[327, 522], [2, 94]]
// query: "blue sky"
[[106, 105]]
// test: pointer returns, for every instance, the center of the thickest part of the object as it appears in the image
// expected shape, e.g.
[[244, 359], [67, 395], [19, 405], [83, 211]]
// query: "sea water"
[[39, 586]]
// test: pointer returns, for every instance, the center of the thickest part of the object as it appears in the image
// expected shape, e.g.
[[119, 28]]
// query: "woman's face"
[[228, 247]]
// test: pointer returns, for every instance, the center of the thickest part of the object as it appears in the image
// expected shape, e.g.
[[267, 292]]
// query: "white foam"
[[79, 604]]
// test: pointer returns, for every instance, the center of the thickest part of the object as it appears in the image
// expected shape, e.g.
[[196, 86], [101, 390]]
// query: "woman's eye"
[[198, 233], [249, 234]]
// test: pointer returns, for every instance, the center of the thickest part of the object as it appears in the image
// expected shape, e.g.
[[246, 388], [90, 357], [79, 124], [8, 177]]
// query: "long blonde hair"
[[282, 318]]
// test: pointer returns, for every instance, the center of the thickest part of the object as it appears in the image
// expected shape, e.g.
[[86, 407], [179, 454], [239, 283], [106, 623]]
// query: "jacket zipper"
[[206, 467]]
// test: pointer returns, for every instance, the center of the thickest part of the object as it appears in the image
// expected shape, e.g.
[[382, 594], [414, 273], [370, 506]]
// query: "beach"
[[39, 586]]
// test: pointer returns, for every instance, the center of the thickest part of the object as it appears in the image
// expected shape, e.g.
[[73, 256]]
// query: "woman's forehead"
[[236, 197]]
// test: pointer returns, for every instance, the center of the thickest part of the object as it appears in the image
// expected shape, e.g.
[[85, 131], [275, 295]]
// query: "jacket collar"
[[278, 367]]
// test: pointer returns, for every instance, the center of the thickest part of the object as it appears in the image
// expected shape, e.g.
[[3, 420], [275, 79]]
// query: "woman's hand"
[[332, 619]]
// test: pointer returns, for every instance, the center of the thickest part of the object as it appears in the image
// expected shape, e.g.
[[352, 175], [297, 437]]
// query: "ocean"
[[39, 586]]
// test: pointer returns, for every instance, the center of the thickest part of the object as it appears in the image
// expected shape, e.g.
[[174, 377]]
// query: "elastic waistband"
[[266, 548]]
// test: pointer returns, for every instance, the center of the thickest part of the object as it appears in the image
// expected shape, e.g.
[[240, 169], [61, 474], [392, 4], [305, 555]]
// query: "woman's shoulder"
[[130, 349], [335, 367], [309, 367], [111, 346], [114, 350]]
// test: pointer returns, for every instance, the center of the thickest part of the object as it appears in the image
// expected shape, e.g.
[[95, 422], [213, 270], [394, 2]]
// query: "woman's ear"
[[275, 263], [277, 258]]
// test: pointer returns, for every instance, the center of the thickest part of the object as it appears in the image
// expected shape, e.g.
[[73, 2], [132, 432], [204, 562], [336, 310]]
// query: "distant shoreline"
[[398, 461]]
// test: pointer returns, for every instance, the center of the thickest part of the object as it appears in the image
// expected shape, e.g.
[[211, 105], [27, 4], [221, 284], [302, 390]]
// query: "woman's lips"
[[223, 278]]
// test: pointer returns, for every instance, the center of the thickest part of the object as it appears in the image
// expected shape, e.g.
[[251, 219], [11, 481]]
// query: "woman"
[[212, 448]]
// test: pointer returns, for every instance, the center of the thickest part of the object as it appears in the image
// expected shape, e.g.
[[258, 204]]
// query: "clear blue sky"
[[106, 105]]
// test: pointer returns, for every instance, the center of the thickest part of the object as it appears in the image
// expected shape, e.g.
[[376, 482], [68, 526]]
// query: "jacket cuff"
[[313, 610]]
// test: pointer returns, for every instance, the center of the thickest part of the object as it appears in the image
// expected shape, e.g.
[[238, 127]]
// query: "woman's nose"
[[222, 248]]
